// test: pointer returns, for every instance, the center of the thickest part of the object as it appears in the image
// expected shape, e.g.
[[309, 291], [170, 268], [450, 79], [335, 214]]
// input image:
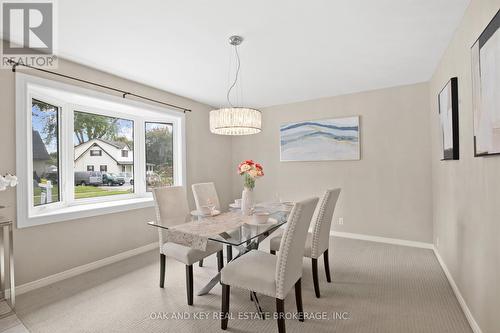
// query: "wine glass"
[[211, 206]]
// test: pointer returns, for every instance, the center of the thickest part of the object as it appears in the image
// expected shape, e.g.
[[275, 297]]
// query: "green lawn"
[[91, 192], [81, 192]]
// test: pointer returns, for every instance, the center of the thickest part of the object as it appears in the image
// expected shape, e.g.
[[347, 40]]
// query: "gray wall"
[[48, 249], [466, 192], [387, 193]]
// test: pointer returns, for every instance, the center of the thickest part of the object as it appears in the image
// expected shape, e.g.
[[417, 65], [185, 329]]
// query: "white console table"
[[6, 241]]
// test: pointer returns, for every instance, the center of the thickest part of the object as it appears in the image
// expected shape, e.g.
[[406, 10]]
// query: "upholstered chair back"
[[322, 221], [204, 194], [171, 207], [289, 261]]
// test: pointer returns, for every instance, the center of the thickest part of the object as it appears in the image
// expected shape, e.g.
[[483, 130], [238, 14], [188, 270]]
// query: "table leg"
[[229, 251], [216, 279], [11, 270], [257, 305], [2, 263]]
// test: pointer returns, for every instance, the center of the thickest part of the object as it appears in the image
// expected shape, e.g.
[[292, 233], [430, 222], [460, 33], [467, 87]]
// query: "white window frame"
[[68, 208]]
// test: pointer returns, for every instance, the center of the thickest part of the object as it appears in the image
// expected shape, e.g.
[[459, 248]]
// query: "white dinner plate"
[[197, 213]]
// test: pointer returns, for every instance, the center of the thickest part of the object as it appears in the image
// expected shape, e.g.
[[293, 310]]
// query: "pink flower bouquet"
[[251, 171]]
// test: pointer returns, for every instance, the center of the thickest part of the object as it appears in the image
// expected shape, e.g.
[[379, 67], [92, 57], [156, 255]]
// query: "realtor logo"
[[28, 33]]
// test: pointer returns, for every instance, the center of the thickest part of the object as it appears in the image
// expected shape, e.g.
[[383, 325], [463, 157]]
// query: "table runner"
[[195, 234]]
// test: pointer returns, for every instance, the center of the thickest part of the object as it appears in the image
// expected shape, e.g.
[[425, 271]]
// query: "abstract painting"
[[321, 140], [486, 90], [448, 114]]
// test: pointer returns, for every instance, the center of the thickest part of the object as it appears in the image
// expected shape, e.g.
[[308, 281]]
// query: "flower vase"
[[246, 201]]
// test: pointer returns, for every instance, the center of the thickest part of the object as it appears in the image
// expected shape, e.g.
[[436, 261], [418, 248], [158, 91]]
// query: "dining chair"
[[270, 275], [318, 241], [172, 209], [205, 194]]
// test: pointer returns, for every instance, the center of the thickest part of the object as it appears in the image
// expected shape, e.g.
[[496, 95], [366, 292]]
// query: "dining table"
[[231, 228]]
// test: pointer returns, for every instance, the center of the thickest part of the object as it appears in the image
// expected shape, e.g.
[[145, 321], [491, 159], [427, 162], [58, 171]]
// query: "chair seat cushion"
[[275, 244], [188, 255], [255, 271]]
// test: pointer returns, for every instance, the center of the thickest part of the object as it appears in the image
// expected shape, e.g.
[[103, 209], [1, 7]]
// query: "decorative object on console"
[[321, 140], [235, 120], [486, 90], [250, 171], [5, 182], [448, 114]]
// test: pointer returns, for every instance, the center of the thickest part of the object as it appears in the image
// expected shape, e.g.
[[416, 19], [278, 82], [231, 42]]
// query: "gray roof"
[[39, 150], [116, 144]]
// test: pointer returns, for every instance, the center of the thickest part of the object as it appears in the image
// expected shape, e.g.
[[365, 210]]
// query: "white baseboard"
[[472, 322], [24, 288], [378, 239]]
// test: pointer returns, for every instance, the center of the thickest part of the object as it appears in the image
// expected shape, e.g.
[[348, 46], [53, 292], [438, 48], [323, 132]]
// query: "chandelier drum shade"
[[235, 120]]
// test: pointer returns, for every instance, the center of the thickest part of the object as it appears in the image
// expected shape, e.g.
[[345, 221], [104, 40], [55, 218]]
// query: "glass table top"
[[233, 228], [247, 232]]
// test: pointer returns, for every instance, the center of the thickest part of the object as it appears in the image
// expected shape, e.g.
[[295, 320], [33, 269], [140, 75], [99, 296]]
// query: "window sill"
[[87, 210]]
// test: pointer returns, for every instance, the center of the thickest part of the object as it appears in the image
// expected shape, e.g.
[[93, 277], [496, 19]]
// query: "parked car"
[[88, 178], [111, 179], [127, 176], [119, 179]]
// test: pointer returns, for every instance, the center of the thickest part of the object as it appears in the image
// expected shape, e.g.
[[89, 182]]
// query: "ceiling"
[[293, 50]]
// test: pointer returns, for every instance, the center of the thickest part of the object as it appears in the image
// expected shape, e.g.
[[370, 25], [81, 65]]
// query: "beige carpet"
[[379, 287], [10, 323]]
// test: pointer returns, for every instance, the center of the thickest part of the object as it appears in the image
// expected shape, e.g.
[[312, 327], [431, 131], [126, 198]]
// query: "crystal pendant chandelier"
[[235, 120]]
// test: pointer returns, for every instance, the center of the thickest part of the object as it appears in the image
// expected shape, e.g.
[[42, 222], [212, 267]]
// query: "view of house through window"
[[159, 155], [100, 166], [45, 146]]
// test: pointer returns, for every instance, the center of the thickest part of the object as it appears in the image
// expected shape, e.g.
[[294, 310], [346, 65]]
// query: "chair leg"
[[226, 289], [220, 260], [280, 310], [272, 252], [315, 276], [298, 299], [163, 258], [200, 263], [189, 284], [229, 250], [327, 266]]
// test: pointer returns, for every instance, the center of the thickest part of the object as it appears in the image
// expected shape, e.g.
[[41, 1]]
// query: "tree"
[[125, 140], [87, 126], [91, 126], [159, 147], [48, 115]]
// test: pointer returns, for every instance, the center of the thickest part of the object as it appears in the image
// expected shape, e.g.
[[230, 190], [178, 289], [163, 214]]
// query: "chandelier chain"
[[236, 76]]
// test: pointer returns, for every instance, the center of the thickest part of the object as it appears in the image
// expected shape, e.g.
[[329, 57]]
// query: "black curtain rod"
[[123, 92]]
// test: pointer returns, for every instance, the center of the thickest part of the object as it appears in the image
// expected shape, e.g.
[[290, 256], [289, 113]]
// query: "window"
[[110, 135], [78, 137], [159, 155], [45, 152]]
